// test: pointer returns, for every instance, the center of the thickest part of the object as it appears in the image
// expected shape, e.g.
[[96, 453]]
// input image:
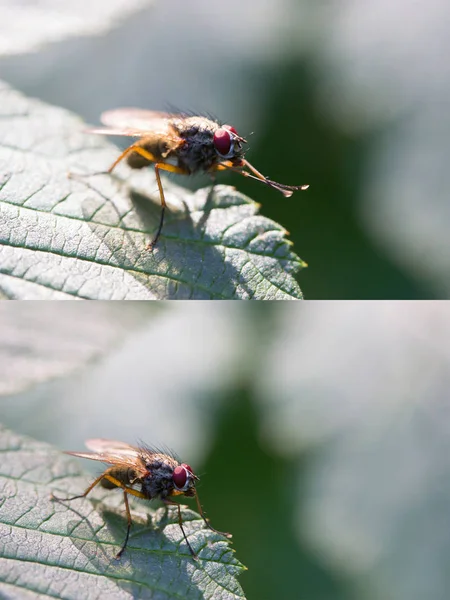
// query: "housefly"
[[144, 473], [180, 144]]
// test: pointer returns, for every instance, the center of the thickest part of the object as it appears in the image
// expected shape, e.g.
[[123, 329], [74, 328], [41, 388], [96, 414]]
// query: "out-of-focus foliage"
[[27, 26], [37, 346]]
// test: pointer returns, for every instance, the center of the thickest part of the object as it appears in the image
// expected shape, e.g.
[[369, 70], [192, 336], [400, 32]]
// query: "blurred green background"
[[321, 435], [347, 96], [297, 145]]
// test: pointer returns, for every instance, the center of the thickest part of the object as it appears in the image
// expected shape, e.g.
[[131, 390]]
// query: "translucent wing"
[[105, 445], [134, 122], [110, 131], [114, 453], [136, 119]]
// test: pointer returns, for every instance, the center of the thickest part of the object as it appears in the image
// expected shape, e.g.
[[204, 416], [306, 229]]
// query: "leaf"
[[85, 236], [38, 343], [24, 27], [56, 549]]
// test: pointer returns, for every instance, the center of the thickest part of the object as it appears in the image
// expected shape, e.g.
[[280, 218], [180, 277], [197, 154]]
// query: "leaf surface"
[[55, 549], [85, 235]]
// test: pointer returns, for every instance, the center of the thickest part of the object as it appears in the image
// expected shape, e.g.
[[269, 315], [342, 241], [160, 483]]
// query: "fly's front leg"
[[286, 190], [202, 514], [180, 523]]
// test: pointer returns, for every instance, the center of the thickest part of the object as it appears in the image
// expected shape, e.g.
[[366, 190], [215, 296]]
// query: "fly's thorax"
[[158, 483], [197, 153]]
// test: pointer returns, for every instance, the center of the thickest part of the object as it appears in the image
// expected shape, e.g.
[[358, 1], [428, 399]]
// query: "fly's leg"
[[85, 493], [171, 169], [202, 514], [126, 490], [286, 190], [180, 523], [119, 484], [133, 148], [127, 508]]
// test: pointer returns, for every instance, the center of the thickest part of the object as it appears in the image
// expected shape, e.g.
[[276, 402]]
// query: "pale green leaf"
[[52, 549], [85, 236]]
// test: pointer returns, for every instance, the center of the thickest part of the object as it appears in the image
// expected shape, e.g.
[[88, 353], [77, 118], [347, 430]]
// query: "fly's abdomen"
[[124, 476], [159, 148]]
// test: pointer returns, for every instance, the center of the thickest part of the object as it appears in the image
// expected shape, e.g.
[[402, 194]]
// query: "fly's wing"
[[105, 445], [134, 122], [110, 131], [137, 119], [114, 453]]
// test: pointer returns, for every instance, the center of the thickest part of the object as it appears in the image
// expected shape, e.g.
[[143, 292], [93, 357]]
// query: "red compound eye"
[[222, 141], [230, 128], [179, 476], [188, 467]]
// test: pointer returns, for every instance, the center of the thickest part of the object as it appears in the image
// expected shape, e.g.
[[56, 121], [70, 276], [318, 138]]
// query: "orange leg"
[[202, 514], [286, 190], [86, 492], [180, 523], [158, 166], [127, 509], [133, 148], [126, 490], [105, 475], [171, 169]]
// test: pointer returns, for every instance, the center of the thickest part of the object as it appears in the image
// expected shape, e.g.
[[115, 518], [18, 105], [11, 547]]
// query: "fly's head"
[[183, 479], [228, 143]]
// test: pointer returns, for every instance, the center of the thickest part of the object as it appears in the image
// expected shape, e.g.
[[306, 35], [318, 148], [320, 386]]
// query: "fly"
[[180, 144], [144, 473]]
